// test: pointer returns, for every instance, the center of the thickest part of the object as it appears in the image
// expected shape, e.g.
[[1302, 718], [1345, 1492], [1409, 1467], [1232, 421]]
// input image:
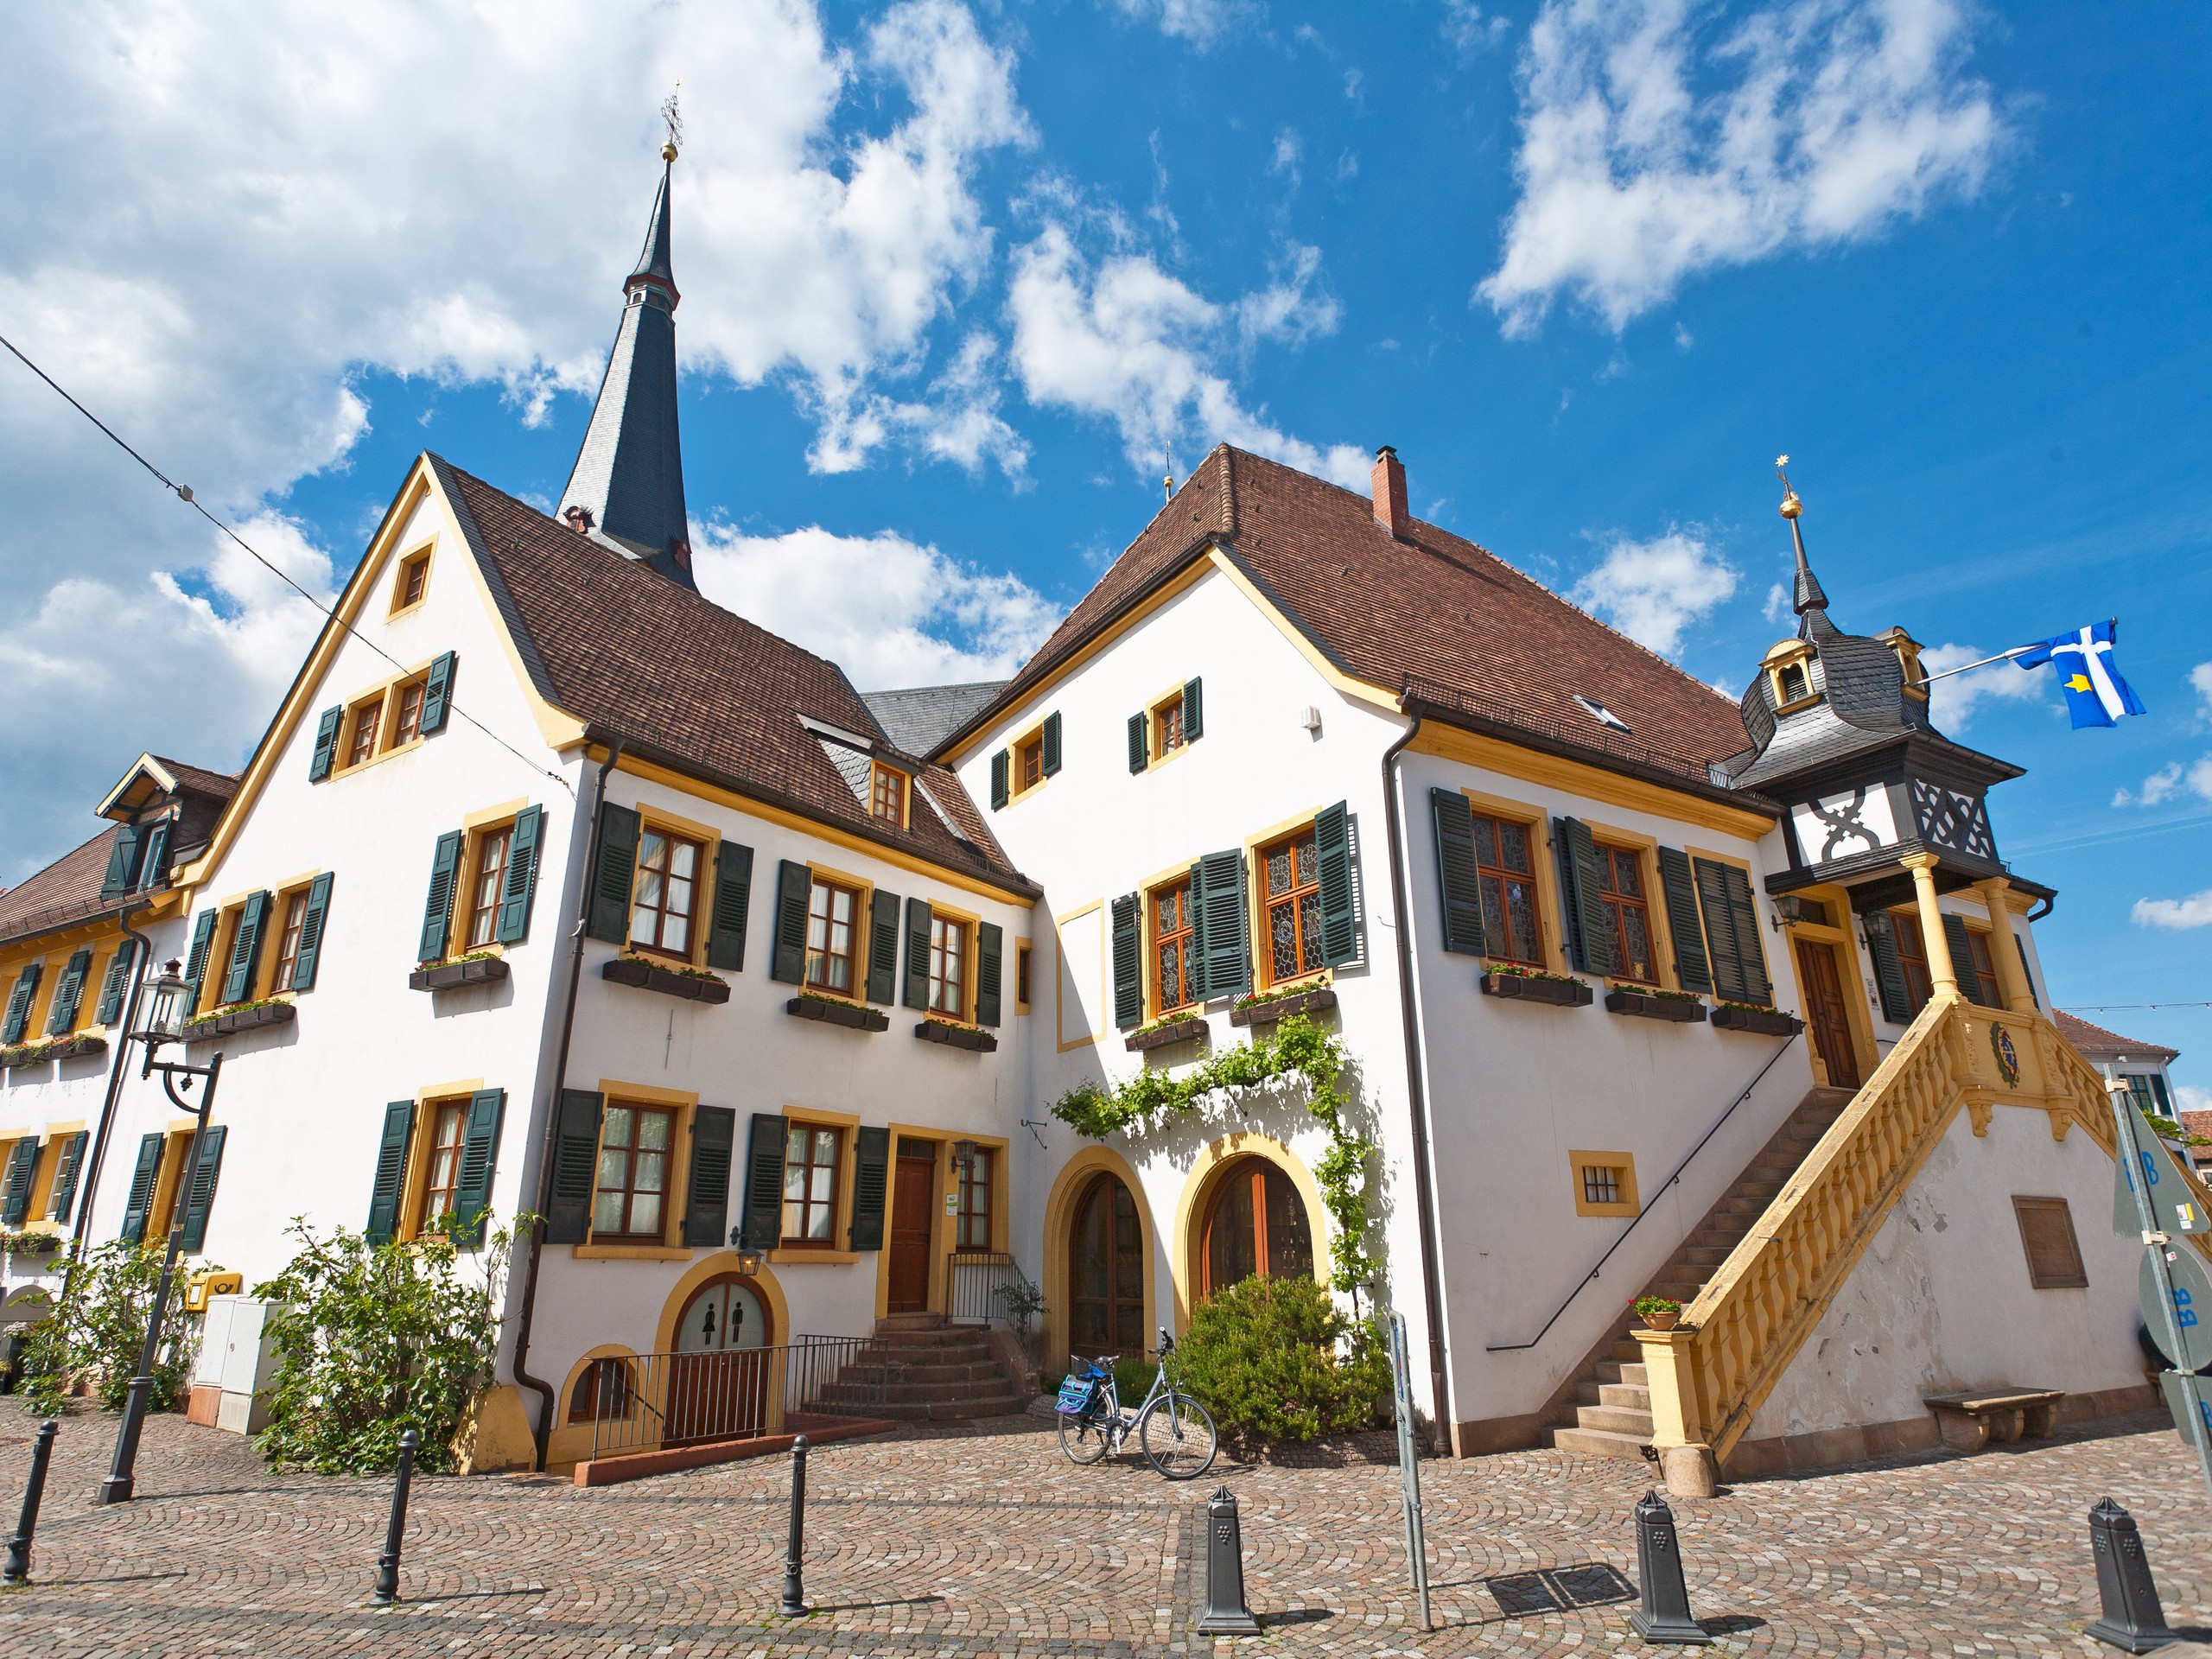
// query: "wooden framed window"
[[1605, 1183], [1912, 958], [948, 967], [666, 896], [412, 582], [493, 847], [1255, 1222], [602, 1392], [408, 725], [830, 936], [368, 719], [1029, 764], [2047, 1236], [630, 1193], [2148, 1091], [810, 1186], [1168, 733], [1982, 968], [1022, 976], [1291, 871], [972, 1231], [441, 1170], [1601, 1184], [287, 942], [887, 795], [1174, 948], [1620, 888], [1505, 870]]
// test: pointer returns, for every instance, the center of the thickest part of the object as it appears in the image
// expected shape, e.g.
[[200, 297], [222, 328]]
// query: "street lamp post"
[[172, 1007]]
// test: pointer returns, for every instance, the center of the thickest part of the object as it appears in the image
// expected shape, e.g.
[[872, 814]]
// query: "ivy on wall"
[[1299, 1049]]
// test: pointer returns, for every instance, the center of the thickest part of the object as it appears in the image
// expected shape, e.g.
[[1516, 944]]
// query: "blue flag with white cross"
[[2095, 694]]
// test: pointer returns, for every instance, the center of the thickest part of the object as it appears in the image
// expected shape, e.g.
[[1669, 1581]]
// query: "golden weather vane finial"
[[1791, 506], [671, 115]]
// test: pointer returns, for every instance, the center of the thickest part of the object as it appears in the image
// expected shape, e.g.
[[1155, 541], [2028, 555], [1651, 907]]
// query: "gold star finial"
[[1791, 506]]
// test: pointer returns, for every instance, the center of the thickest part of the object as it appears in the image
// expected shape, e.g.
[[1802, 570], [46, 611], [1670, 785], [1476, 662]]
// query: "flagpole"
[[2001, 656]]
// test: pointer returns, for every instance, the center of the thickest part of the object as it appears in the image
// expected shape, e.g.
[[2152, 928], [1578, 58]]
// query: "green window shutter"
[[115, 985], [199, 1197], [871, 1182], [311, 925], [1000, 763], [122, 861], [65, 1176], [518, 889], [391, 1170], [1679, 886], [1889, 971], [1140, 742], [195, 961], [1955, 931], [245, 948], [19, 1003], [1455, 872], [141, 1196], [437, 907], [22, 1170], [794, 886], [1731, 935], [1224, 951], [1051, 758], [153, 863], [1332, 850], [480, 1156], [437, 694], [918, 954], [991, 952], [69, 992], [1590, 936], [1750, 952], [326, 743], [2027, 974], [761, 1220], [576, 1158], [883, 947], [1128, 976], [733, 901], [706, 1193], [1194, 711], [612, 872]]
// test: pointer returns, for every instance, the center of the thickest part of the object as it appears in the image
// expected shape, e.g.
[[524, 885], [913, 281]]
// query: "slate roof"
[[921, 717], [66, 891], [2095, 1040], [1433, 607], [689, 684]]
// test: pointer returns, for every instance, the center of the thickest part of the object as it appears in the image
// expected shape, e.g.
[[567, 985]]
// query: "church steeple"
[[1808, 596], [627, 485]]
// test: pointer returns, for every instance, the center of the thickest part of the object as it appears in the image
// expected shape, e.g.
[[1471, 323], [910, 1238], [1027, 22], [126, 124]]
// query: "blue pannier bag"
[[1074, 1397]]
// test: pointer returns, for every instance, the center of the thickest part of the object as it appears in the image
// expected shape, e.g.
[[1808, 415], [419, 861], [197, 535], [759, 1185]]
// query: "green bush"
[[375, 1339], [98, 1333], [1276, 1360]]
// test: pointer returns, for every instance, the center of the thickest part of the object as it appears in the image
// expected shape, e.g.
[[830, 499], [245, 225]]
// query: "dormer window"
[[1788, 670], [887, 794], [1791, 683], [1907, 654]]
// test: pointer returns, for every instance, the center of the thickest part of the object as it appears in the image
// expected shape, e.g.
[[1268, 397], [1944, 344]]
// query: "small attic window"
[[1791, 682], [1598, 712]]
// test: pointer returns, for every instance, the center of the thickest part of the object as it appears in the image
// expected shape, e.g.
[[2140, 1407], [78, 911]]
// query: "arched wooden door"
[[719, 1379], [1106, 1272], [1255, 1222]]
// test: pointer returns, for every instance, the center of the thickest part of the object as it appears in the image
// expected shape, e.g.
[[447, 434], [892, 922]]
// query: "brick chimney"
[[1389, 480]]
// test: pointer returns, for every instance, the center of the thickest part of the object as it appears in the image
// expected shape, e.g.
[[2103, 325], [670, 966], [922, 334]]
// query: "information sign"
[[2192, 1302], [2175, 1207]]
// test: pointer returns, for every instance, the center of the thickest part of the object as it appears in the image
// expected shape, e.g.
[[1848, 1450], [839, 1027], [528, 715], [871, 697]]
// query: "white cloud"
[[1651, 591], [1953, 703], [2169, 781], [1637, 170], [2200, 680], [1468, 31], [2175, 914], [2190, 1098], [1286, 158], [889, 612], [1777, 602], [1125, 341], [1201, 23]]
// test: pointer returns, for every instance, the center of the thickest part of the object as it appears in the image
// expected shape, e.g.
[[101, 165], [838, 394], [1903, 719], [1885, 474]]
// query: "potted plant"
[[1649, 1002], [1533, 985], [1658, 1313], [1268, 1007], [1163, 1033], [1754, 1017]]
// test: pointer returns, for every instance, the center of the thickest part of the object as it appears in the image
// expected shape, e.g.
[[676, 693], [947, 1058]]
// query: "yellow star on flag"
[[2077, 682]]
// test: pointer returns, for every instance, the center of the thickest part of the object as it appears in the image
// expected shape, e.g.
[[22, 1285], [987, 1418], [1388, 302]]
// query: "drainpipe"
[[1416, 1097], [88, 1179], [548, 1402]]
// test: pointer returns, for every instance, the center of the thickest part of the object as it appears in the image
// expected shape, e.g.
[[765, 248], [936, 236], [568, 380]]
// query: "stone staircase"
[[917, 1368], [1606, 1410]]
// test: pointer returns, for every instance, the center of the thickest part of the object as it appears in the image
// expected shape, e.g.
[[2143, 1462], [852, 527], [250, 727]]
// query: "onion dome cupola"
[[627, 488]]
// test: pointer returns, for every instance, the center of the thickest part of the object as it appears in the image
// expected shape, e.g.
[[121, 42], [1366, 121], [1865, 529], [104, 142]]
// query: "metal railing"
[[973, 1280], [644, 1402]]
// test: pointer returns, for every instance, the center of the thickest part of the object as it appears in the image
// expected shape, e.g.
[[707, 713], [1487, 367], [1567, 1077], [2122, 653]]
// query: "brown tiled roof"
[[2095, 1040], [223, 785], [1433, 608], [681, 680], [66, 891]]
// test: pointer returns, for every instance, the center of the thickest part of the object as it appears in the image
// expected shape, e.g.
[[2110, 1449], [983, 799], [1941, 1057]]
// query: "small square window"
[[1605, 1183], [2047, 1236], [1167, 730], [1601, 1184], [414, 579], [1029, 763]]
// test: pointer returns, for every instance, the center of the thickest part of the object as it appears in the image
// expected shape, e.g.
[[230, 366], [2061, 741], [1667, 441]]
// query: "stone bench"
[[2004, 1412]]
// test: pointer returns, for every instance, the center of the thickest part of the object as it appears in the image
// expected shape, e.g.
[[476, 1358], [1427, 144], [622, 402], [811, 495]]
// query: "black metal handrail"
[[1590, 1278], [973, 1280], [637, 1402]]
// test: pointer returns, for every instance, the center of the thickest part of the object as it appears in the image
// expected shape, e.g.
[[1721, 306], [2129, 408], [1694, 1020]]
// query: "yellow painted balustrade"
[[1709, 1376]]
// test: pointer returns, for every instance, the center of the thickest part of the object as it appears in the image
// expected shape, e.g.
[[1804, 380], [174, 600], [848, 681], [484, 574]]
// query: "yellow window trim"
[[1537, 821], [1105, 985], [1154, 732], [1622, 1161], [1147, 955], [632, 1252], [841, 1213], [1588, 782], [675, 1195], [1024, 965], [426, 552], [407, 1223], [863, 932], [906, 792], [1256, 897], [1646, 849], [1034, 734]]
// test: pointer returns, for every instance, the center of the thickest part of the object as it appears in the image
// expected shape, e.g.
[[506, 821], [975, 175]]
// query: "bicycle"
[[1175, 1433]]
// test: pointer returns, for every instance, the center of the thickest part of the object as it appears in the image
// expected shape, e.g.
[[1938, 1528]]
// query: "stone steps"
[[916, 1368]]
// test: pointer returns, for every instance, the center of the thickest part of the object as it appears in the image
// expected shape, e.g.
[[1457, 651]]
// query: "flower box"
[[968, 1037], [1166, 1034], [1528, 987], [851, 1015], [1263, 1011], [443, 975], [59, 1048], [1767, 1021], [692, 987], [1683, 1010], [238, 1019], [34, 1243]]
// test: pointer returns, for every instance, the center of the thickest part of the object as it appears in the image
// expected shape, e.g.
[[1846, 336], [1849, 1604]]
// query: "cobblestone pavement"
[[985, 1542]]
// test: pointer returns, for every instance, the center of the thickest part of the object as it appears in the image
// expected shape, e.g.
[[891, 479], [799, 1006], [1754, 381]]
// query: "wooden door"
[[1825, 1011], [913, 1205], [719, 1377], [1106, 1273]]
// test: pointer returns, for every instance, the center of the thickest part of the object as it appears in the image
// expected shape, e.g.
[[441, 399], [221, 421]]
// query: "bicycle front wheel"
[[1177, 1434], [1086, 1439]]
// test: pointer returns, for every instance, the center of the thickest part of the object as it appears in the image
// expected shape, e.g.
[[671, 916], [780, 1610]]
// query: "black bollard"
[[794, 1602], [396, 1530], [1665, 1615], [2132, 1620], [18, 1567], [1226, 1613]]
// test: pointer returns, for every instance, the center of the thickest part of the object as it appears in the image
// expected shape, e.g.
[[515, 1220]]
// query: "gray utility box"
[[237, 1358]]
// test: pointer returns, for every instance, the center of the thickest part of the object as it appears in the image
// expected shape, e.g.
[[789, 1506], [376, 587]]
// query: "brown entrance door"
[[1825, 1012], [1106, 1273], [913, 1201], [719, 1375]]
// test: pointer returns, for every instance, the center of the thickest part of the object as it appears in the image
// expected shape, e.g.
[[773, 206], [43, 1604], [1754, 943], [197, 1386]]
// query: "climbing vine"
[[1299, 1048]]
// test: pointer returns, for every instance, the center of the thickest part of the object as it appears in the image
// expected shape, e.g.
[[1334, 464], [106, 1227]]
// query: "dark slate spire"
[[1809, 595], [629, 474]]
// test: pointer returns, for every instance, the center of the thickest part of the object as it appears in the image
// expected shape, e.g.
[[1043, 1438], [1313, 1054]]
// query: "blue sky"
[[955, 277]]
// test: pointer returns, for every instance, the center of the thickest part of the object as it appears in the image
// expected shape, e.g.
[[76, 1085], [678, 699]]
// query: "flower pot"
[[1666, 1321], [1166, 1035], [1559, 993], [1644, 1005], [647, 976], [444, 976], [1766, 1022], [851, 1015], [1315, 999], [980, 1042]]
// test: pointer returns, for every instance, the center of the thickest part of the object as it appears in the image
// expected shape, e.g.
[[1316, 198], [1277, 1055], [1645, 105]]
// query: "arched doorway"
[[1106, 1271], [718, 1380], [1255, 1221]]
